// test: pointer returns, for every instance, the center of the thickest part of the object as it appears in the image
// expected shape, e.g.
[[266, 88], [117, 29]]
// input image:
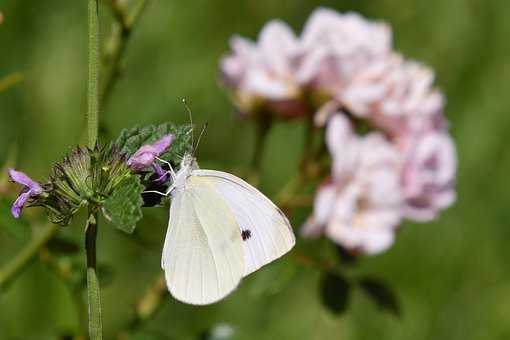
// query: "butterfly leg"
[[171, 171], [169, 190], [164, 176], [154, 192]]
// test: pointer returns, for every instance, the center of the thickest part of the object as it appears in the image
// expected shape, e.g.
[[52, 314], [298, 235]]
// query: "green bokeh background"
[[452, 275]]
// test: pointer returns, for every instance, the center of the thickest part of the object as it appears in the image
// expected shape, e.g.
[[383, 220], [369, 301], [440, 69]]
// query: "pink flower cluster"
[[287, 75], [343, 69], [377, 181]]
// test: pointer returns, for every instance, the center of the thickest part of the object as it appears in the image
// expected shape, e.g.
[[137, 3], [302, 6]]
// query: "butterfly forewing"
[[203, 256], [265, 231]]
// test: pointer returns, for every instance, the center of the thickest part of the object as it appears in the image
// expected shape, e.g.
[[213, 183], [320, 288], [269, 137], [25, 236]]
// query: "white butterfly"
[[220, 230]]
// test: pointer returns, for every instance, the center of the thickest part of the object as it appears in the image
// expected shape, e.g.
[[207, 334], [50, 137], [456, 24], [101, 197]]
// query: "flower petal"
[[22, 178], [20, 202], [161, 145], [146, 154]]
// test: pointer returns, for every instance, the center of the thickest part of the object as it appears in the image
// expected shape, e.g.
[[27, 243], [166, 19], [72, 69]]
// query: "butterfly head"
[[189, 162]]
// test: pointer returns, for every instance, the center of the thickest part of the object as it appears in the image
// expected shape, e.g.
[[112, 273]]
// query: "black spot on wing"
[[246, 234]]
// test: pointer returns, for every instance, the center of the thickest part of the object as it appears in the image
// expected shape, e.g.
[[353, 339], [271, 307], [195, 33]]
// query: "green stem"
[[93, 291], [26, 255], [93, 79]]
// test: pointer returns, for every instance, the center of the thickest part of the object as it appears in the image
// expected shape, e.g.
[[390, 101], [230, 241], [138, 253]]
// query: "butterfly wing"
[[203, 255], [266, 232]]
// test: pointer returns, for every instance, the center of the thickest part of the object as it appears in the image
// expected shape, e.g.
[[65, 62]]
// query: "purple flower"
[[146, 156], [31, 189]]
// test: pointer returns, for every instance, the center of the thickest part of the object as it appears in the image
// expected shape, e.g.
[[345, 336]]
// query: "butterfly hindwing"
[[264, 229]]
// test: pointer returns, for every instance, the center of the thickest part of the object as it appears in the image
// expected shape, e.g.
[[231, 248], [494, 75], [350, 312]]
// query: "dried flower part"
[[31, 189], [85, 176], [146, 155]]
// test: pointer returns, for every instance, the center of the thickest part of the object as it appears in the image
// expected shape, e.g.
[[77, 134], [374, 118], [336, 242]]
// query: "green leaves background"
[[451, 276]]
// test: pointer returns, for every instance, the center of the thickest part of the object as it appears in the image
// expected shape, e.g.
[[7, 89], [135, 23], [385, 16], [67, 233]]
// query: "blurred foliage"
[[335, 291], [381, 294], [18, 229], [451, 276]]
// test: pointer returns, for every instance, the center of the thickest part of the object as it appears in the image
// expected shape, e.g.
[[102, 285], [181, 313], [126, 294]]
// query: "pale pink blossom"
[[361, 207], [396, 96], [263, 73], [336, 46], [429, 175]]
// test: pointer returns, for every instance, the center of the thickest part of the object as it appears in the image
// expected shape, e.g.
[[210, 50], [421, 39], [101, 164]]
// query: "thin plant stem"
[[93, 291], [93, 78], [26, 255]]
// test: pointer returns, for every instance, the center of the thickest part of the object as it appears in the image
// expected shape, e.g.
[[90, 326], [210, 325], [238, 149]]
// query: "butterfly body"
[[220, 230]]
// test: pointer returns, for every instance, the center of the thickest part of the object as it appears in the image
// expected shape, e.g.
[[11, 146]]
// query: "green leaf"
[[123, 207], [381, 294], [335, 291], [15, 227], [131, 140]]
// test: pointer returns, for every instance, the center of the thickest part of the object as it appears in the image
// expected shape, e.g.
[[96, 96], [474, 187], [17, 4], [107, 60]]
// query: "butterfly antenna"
[[190, 119], [199, 138]]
